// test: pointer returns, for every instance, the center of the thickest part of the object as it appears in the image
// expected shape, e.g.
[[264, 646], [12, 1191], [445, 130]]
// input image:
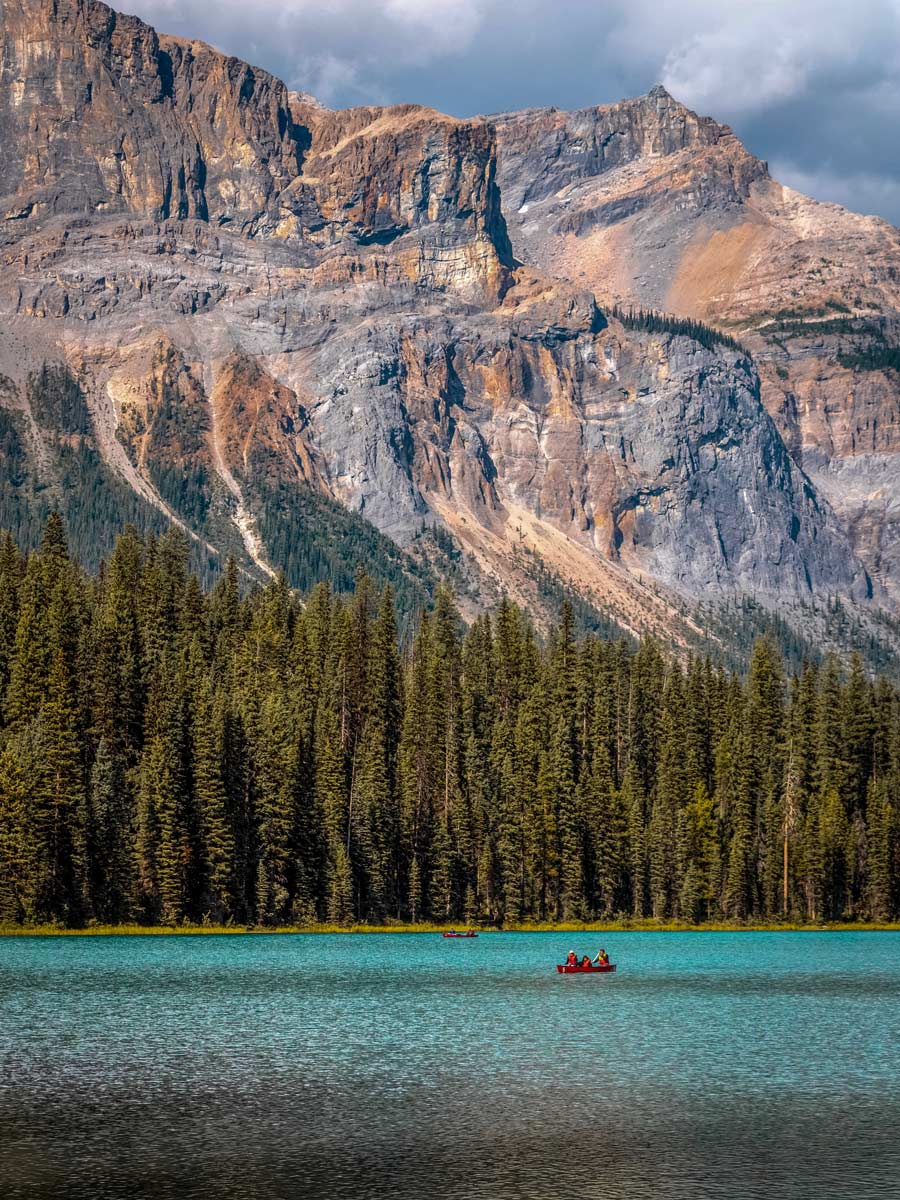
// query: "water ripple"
[[711, 1065]]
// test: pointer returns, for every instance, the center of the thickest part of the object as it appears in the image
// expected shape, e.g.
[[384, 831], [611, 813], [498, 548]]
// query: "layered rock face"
[[647, 204], [256, 296], [102, 115]]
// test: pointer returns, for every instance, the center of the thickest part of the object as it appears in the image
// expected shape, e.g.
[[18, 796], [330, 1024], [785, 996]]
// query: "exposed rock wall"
[[648, 204], [259, 291], [101, 114]]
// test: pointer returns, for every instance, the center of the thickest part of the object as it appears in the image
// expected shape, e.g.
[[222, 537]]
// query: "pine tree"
[[563, 766], [734, 805], [478, 830], [545, 864], [225, 615], [672, 791], [449, 803], [54, 548], [16, 866], [417, 773], [881, 842], [857, 736], [111, 806], [834, 832], [164, 835], [634, 803], [829, 729], [332, 803], [698, 852], [536, 806], [116, 673], [30, 666], [378, 800], [340, 888], [513, 677], [764, 763], [60, 801], [10, 585], [811, 866], [698, 726], [606, 820], [646, 685], [277, 755], [216, 835], [800, 789]]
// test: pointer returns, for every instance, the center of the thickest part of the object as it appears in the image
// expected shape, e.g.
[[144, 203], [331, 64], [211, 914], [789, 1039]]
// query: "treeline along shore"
[[172, 756]]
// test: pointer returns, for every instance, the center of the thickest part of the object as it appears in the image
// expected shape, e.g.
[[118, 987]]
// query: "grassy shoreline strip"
[[646, 926]]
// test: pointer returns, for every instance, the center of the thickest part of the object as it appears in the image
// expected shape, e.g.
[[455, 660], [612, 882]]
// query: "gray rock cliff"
[[276, 295]]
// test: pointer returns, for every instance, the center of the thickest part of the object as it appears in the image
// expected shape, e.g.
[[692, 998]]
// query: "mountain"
[[315, 338], [650, 205]]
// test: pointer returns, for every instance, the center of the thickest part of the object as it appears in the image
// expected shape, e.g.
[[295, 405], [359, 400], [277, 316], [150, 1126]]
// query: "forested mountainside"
[[311, 338], [168, 754]]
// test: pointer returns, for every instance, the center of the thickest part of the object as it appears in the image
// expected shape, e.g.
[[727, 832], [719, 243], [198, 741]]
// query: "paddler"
[[602, 959], [572, 959]]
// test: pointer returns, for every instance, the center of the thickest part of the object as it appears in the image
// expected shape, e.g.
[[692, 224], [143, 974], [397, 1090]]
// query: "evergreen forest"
[[172, 755]]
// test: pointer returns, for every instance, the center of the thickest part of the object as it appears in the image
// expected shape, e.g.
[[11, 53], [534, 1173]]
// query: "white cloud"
[[711, 66], [747, 58], [712, 53], [445, 24], [724, 56], [348, 44], [328, 77]]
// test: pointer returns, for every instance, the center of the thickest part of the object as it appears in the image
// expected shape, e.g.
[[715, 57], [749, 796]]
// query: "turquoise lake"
[[710, 1065]]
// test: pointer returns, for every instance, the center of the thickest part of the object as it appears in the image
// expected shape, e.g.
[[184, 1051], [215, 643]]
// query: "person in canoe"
[[572, 959], [602, 959], [585, 960]]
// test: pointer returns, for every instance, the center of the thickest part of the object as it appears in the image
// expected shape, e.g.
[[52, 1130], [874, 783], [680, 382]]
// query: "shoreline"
[[636, 926]]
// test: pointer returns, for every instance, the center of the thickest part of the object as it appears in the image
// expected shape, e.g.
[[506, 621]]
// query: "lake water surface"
[[710, 1065]]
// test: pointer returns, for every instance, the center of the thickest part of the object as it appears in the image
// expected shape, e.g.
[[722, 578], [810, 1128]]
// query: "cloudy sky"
[[811, 85]]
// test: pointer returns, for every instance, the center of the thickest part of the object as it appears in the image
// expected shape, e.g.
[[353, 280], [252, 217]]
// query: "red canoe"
[[566, 970], [465, 935]]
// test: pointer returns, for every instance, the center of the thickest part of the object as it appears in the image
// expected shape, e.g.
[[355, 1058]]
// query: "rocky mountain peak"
[[101, 115], [543, 151], [650, 205]]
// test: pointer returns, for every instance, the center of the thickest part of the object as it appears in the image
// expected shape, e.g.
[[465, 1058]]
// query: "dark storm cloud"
[[811, 85]]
